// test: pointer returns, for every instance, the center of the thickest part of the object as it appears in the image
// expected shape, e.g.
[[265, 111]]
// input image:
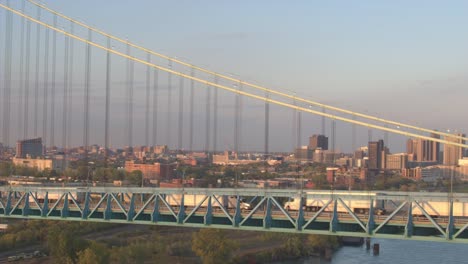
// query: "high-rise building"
[[422, 150], [453, 153], [376, 148], [318, 141], [303, 153], [29, 148], [396, 161], [411, 149]]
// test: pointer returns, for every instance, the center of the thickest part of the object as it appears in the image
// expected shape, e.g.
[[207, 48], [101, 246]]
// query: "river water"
[[396, 252]]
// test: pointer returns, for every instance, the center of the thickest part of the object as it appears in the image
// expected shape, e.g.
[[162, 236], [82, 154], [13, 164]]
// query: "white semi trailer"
[[437, 209], [193, 200]]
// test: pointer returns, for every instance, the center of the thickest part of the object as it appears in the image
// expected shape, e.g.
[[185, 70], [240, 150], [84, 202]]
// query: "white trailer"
[[193, 200], [356, 206], [436, 209]]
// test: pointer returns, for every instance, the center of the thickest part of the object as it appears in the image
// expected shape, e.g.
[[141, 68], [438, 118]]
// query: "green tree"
[[63, 244], [96, 253], [212, 246], [135, 177]]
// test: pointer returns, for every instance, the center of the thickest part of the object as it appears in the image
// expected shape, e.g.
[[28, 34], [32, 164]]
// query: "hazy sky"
[[402, 60]]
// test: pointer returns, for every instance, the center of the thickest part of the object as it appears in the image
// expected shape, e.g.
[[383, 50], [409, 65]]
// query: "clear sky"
[[402, 60]]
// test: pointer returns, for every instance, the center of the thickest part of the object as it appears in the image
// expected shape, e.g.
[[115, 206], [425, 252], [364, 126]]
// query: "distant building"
[[318, 141], [453, 153], [152, 171], [376, 148], [31, 148], [396, 161], [41, 164], [303, 153], [423, 150]]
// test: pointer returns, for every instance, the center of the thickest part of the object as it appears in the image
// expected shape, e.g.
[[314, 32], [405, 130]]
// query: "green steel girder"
[[237, 215], [208, 218], [120, 206], [431, 219]]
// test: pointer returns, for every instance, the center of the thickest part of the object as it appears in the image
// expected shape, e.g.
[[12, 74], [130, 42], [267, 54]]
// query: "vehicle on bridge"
[[437, 209], [356, 206], [193, 200]]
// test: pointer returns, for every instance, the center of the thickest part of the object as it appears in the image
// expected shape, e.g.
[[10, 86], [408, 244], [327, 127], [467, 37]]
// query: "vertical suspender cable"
[[7, 78], [147, 105], [239, 127], [236, 122], [353, 146], [192, 91], [294, 123], [386, 136], [65, 96], [181, 114], [21, 76], [70, 88], [45, 91], [299, 129], [323, 122], [107, 113], [267, 124], [208, 118], [36, 84], [169, 102], [155, 107], [87, 96], [26, 79], [215, 117], [129, 101], [52, 88]]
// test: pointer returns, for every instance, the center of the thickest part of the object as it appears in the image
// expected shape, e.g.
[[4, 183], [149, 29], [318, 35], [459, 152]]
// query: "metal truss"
[[418, 216]]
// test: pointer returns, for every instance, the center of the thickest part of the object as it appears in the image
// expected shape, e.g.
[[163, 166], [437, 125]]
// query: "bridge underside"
[[210, 208]]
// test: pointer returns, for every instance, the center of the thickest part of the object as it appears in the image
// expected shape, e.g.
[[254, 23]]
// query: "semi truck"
[[314, 205], [438, 208], [193, 200]]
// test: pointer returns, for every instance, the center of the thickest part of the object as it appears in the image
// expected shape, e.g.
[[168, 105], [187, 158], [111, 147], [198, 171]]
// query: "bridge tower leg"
[[85, 213], [237, 215], [155, 213], [26, 204], [300, 215], [370, 222], [450, 224], [65, 209], [267, 219], [334, 220], [409, 222], [181, 214], [208, 219], [131, 208]]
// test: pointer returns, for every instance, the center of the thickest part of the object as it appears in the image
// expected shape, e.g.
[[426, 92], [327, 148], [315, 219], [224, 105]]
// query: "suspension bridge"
[[151, 106]]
